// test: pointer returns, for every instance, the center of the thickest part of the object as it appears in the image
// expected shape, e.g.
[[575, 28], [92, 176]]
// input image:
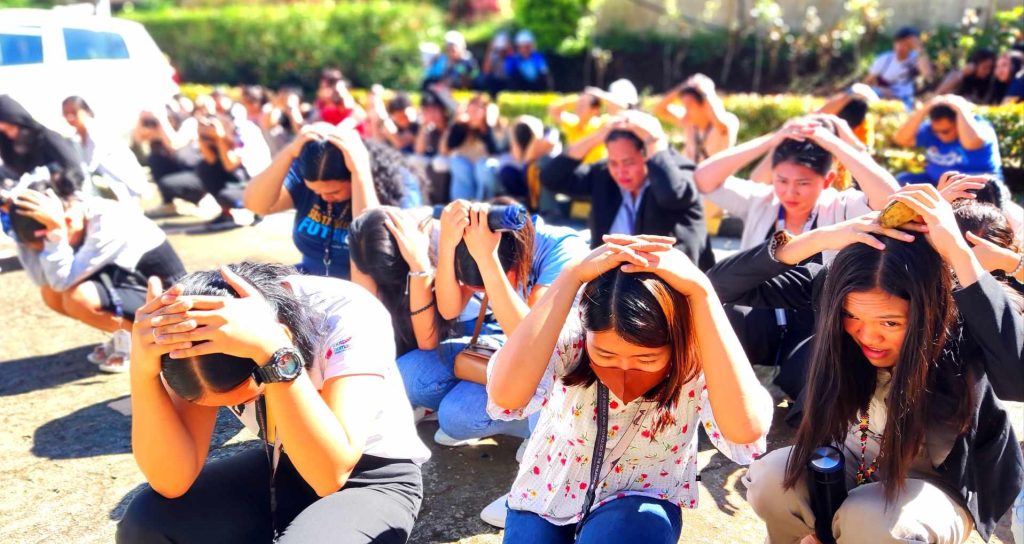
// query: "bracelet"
[[411, 274], [1020, 266], [423, 309]]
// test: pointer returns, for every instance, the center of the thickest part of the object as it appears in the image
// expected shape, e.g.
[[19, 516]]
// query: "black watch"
[[284, 366]]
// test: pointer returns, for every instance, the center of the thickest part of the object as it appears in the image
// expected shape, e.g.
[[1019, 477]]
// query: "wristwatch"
[[779, 239], [285, 365]]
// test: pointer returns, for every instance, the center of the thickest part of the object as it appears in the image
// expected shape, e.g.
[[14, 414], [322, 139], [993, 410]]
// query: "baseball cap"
[[524, 37], [624, 91]]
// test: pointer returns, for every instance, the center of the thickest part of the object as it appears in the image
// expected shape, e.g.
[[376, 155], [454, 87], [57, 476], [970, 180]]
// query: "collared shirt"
[[625, 219]]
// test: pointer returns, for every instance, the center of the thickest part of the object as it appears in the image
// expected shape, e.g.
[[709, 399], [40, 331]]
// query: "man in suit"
[[644, 186]]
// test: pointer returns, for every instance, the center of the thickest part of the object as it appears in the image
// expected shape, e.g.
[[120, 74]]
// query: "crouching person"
[[91, 259], [306, 362]]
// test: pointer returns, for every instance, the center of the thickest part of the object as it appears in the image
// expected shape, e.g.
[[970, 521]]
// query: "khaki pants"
[[921, 513]]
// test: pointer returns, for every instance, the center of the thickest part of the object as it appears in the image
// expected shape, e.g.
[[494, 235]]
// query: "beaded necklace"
[[864, 473]]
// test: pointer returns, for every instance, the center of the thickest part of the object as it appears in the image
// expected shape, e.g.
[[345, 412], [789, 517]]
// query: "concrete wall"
[[645, 15]]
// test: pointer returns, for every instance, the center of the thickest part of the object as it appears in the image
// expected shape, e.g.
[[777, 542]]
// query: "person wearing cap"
[[454, 69], [644, 187], [893, 73], [494, 77], [620, 96], [527, 68]]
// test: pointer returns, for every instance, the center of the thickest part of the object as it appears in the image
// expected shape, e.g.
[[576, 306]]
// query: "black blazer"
[[671, 205], [982, 465]]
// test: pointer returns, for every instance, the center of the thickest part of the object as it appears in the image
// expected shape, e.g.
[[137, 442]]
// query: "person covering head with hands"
[[327, 176], [953, 137], [914, 342], [694, 107], [306, 363], [584, 120], [90, 259], [644, 187], [25, 145], [622, 384]]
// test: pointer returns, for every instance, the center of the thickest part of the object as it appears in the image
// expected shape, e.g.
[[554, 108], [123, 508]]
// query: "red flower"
[[563, 460], [676, 447], [646, 434], [329, 352], [508, 412], [613, 405], [686, 486], [583, 485], [686, 427], [664, 473], [536, 470], [620, 496], [647, 485], [690, 394]]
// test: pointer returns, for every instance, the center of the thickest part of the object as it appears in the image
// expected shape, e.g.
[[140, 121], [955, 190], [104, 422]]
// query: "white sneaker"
[[494, 513], [421, 414], [522, 450], [444, 439], [117, 363], [101, 353]]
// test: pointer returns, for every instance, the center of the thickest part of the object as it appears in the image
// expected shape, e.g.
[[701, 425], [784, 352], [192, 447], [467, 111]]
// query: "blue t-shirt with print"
[[312, 227], [553, 248], [942, 157]]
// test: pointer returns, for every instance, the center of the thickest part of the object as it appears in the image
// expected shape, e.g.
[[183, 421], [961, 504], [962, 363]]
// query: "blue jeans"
[[461, 406], [629, 519], [473, 180]]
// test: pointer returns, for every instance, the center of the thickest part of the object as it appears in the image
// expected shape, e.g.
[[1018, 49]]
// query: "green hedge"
[[373, 42], [760, 114]]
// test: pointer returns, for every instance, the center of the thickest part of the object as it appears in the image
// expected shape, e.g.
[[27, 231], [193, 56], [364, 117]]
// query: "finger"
[[179, 306], [979, 241], [153, 288], [196, 350], [621, 253], [171, 319], [896, 234], [649, 247], [242, 287], [869, 240], [195, 335], [915, 205], [159, 300], [175, 328]]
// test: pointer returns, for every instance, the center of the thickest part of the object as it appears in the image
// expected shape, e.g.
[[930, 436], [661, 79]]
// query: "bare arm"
[[876, 182], [713, 171], [669, 110], [558, 107], [265, 193], [906, 136], [967, 126]]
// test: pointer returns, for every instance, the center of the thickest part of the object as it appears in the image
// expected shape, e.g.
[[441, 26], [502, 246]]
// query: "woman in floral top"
[[650, 330]]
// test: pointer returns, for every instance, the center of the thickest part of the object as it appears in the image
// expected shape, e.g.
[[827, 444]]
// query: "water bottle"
[[500, 217], [826, 477]]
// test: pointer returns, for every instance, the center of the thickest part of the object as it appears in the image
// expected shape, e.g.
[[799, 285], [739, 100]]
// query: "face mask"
[[628, 384]]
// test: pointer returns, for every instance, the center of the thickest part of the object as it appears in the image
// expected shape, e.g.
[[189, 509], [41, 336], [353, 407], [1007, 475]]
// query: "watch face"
[[289, 365]]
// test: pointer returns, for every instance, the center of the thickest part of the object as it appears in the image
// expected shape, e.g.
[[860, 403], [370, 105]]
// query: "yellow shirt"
[[575, 131]]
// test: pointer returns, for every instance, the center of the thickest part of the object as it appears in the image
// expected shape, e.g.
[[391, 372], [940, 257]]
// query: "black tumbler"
[[826, 483], [500, 217]]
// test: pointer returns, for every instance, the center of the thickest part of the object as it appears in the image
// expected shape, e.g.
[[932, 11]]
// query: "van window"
[[20, 49], [89, 44]]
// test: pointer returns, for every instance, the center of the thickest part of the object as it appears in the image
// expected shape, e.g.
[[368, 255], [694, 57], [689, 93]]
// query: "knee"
[[53, 299], [142, 522], [462, 421], [765, 481], [865, 517], [78, 301]]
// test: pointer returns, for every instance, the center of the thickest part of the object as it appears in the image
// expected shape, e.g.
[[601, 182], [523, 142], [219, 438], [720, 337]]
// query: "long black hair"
[[219, 372], [320, 160], [645, 311], [375, 253], [515, 253], [841, 381]]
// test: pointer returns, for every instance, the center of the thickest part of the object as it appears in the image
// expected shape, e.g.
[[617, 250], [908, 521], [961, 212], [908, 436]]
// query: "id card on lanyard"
[[780, 225]]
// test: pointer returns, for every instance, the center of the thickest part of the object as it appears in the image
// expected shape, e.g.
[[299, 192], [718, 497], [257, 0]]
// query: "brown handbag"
[[471, 362]]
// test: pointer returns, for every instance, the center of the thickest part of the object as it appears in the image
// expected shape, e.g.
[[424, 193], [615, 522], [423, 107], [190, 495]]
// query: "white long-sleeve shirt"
[[115, 233]]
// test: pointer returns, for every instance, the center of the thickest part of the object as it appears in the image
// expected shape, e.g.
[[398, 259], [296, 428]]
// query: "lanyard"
[[263, 422], [330, 238], [780, 225]]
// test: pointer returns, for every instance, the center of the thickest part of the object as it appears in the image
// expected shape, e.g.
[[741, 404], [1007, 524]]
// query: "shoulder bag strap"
[[597, 459], [479, 320]]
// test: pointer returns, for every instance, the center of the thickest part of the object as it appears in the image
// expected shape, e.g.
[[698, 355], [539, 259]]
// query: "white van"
[[114, 64]]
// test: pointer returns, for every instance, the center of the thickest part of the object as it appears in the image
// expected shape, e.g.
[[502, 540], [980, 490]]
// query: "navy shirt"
[[313, 226]]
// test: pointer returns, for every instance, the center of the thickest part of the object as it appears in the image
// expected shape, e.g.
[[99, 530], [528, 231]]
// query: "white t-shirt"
[[758, 207], [899, 73], [357, 339]]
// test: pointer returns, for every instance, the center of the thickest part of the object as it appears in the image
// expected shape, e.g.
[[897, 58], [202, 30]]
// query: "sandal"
[[101, 352], [117, 363]]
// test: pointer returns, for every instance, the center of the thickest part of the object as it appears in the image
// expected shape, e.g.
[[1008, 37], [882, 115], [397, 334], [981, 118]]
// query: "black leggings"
[[230, 502]]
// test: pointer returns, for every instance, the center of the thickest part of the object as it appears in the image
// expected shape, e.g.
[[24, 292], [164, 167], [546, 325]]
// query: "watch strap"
[[271, 372]]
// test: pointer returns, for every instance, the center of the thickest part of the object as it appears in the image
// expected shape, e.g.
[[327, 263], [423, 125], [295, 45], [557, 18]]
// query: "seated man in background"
[[953, 138], [527, 68], [893, 73], [644, 187]]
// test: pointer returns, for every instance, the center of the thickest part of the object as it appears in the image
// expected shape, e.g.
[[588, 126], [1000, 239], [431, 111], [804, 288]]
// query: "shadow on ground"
[[46, 371], [100, 430]]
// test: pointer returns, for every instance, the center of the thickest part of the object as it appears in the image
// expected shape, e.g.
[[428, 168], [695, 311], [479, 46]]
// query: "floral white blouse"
[[555, 471]]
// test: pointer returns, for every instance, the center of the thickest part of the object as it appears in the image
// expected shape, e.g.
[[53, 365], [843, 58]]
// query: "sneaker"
[[222, 222], [444, 439], [162, 211], [522, 450], [101, 352], [494, 513], [117, 363], [421, 414]]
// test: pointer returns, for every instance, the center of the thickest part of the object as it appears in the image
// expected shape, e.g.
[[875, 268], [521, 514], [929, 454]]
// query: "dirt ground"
[[65, 460]]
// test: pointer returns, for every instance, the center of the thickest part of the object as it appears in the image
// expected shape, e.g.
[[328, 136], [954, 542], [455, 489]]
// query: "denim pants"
[[629, 519], [461, 406], [471, 180]]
